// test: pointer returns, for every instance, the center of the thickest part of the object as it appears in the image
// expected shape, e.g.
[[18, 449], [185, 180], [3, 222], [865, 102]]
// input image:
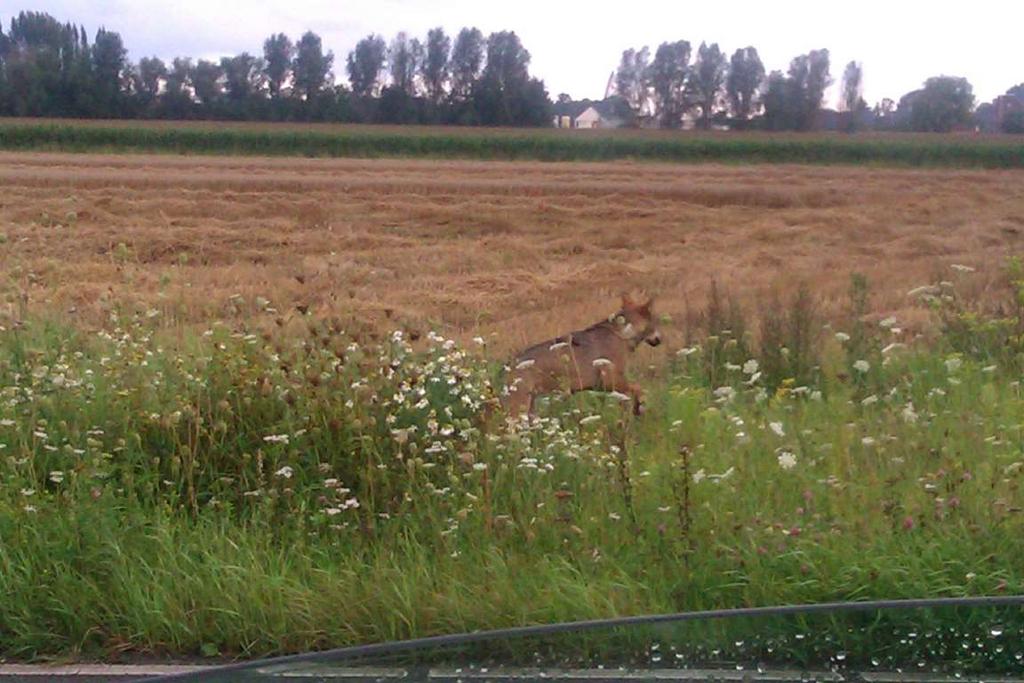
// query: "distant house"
[[609, 113]]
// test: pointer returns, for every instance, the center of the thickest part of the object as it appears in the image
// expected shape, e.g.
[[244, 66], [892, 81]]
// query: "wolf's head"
[[635, 322]]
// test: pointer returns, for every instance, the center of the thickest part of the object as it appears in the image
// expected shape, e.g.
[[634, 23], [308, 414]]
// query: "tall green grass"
[[248, 493], [539, 144]]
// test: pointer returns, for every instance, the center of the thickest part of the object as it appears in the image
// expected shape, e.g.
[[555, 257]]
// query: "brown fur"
[[567, 363]]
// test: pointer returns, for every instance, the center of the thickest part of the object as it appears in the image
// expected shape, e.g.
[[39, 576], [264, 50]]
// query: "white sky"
[[575, 45]]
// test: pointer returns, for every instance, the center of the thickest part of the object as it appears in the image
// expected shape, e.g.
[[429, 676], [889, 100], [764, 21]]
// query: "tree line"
[[49, 68], [709, 89]]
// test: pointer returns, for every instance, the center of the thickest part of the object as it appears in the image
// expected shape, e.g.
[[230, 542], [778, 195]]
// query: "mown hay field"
[[516, 250]]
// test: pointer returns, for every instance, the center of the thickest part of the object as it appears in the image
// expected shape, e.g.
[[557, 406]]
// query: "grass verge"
[[245, 493]]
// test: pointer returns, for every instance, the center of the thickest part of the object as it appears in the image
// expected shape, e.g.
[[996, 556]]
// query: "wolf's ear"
[[627, 302], [646, 307]]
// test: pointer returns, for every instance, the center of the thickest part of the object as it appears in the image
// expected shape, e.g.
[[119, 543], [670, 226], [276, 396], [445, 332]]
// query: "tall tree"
[[404, 59], [467, 61], [366, 64], [311, 68], [177, 100], [110, 68], [207, 83], [435, 67], [506, 95], [669, 72], [152, 71], [780, 106], [503, 79], [852, 87], [632, 78], [707, 82], [743, 85], [809, 76], [944, 103], [278, 53], [178, 76], [792, 102], [243, 76], [851, 100]]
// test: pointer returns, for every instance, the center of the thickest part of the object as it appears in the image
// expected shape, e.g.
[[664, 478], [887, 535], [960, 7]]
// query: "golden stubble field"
[[518, 250]]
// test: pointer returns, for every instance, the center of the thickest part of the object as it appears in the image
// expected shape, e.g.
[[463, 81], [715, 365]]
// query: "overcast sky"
[[576, 44]]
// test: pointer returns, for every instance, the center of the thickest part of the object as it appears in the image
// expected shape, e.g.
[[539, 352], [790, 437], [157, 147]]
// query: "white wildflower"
[[870, 400], [989, 369], [777, 428], [276, 438], [332, 511], [953, 364], [750, 367], [924, 290], [861, 365], [480, 466], [725, 393], [960, 268], [480, 341], [687, 351], [28, 492], [602, 363], [614, 516], [56, 476], [6, 423], [619, 396], [842, 337], [868, 441], [285, 472], [589, 419], [909, 414], [699, 476], [787, 460]]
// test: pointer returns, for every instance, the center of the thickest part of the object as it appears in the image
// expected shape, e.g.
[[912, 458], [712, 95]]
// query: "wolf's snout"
[[654, 339]]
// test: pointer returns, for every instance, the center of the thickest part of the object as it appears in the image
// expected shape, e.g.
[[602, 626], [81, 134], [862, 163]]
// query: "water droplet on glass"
[[739, 643], [996, 631], [874, 661], [800, 636], [840, 656], [656, 658]]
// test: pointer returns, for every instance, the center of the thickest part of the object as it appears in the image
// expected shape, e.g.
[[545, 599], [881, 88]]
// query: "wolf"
[[590, 359]]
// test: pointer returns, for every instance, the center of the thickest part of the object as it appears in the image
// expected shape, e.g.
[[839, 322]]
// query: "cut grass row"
[[544, 145]]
